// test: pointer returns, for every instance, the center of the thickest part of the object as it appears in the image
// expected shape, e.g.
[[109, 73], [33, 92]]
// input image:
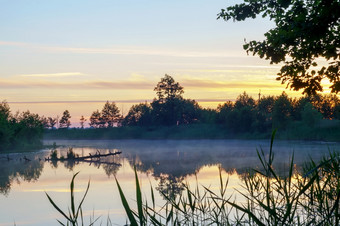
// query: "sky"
[[78, 54]]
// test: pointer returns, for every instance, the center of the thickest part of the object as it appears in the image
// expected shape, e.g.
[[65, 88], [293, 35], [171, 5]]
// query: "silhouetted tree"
[[52, 122], [28, 129], [139, 115], [65, 120], [245, 113], [325, 104], [310, 116], [282, 111], [170, 108], [188, 111], [298, 106], [110, 114], [6, 128], [95, 119], [305, 31], [264, 114], [208, 115], [167, 89], [82, 121], [45, 122], [224, 112]]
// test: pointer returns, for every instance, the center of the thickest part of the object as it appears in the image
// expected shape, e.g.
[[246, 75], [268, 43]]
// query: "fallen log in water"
[[89, 158]]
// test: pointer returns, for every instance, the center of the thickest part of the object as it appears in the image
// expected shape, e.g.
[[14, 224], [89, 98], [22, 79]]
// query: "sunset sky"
[[75, 55]]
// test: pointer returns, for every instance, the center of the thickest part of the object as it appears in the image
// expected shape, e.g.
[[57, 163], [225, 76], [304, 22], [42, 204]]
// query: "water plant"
[[75, 214], [310, 197]]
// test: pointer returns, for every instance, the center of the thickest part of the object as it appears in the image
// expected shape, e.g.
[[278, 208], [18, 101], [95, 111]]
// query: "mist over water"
[[165, 164]]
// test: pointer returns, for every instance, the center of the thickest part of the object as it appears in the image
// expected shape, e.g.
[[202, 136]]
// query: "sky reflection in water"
[[164, 164]]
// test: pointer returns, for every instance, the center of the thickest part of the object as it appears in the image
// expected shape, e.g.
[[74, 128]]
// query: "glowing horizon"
[[59, 55]]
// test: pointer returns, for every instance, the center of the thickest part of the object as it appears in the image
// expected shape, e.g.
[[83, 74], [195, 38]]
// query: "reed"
[[308, 198], [75, 214]]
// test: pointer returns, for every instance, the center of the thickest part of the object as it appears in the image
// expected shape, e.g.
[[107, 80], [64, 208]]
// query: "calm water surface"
[[164, 164]]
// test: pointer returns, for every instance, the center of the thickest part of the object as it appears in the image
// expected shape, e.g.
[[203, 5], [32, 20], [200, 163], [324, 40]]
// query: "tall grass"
[[308, 198], [311, 198], [74, 216]]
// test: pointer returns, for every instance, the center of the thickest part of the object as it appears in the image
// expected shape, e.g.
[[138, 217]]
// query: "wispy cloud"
[[65, 74], [43, 84], [192, 84], [210, 84], [23, 44], [121, 50]]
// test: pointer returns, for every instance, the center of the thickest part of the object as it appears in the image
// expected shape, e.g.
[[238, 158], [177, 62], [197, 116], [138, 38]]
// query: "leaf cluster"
[[305, 31]]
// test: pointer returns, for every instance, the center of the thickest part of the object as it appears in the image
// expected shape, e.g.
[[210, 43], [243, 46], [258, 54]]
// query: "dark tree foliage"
[[65, 122], [22, 130], [139, 115], [110, 114], [82, 121], [224, 111], [6, 127], [244, 113], [107, 118], [306, 30], [239, 116], [282, 111], [96, 120], [325, 104], [207, 116], [52, 122], [264, 113], [168, 89], [170, 108], [309, 115]]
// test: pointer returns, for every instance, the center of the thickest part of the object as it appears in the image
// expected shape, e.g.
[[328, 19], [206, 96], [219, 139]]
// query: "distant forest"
[[170, 115], [307, 117]]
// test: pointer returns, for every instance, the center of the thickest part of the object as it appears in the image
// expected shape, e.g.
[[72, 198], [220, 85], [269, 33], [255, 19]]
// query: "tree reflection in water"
[[170, 186], [16, 169], [169, 162]]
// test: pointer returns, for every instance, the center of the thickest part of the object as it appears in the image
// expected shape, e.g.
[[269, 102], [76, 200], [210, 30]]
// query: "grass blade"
[[126, 206], [139, 200], [57, 208]]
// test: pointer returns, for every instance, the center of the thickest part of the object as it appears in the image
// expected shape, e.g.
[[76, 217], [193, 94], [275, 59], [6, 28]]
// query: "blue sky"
[[118, 50]]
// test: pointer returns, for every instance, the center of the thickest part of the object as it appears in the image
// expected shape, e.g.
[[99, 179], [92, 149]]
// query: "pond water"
[[163, 164]]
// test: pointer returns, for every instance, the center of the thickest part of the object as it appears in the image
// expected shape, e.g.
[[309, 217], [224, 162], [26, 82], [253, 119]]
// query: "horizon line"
[[103, 101]]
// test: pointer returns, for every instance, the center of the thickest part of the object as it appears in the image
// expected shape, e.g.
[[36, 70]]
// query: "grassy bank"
[[294, 131]]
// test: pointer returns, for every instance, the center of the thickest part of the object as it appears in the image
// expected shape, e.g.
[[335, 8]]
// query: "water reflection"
[[14, 169], [169, 162], [170, 186]]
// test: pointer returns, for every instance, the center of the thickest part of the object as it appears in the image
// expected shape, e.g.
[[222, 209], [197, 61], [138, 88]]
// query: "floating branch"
[[89, 158]]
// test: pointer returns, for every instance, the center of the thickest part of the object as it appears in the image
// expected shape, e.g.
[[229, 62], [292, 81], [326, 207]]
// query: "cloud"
[[65, 74], [96, 84], [210, 84], [121, 50], [140, 84], [235, 68]]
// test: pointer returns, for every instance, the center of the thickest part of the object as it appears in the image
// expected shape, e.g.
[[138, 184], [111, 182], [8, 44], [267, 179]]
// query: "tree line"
[[170, 108], [245, 114]]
